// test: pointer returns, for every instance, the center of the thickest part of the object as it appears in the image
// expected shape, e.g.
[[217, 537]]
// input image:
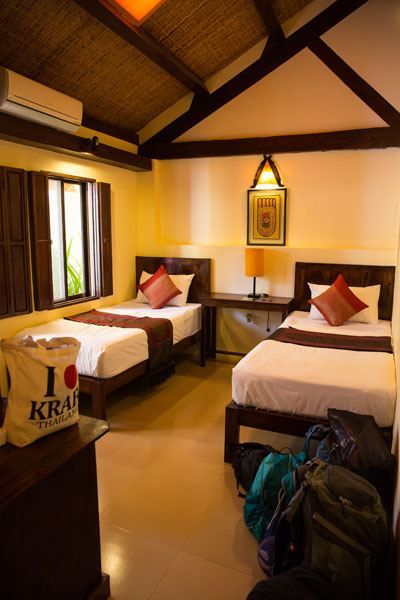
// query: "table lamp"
[[254, 267]]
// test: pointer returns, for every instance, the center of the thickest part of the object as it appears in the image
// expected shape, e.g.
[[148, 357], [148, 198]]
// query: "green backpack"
[[262, 499], [336, 525]]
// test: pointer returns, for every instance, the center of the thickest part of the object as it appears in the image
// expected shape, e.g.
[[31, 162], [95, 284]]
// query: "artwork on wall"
[[266, 217]]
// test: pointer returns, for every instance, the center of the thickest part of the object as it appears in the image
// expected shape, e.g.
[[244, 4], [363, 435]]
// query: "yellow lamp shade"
[[254, 262]]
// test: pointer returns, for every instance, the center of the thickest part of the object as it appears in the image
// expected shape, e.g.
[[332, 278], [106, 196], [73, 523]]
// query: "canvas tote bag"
[[43, 395]]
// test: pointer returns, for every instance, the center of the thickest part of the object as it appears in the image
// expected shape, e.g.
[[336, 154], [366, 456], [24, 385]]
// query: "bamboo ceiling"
[[61, 45]]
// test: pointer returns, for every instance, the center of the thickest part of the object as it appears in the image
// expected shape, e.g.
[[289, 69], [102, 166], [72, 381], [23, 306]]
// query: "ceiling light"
[[138, 9]]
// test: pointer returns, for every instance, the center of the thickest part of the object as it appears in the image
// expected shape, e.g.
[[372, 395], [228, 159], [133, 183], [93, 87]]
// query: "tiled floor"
[[171, 520]]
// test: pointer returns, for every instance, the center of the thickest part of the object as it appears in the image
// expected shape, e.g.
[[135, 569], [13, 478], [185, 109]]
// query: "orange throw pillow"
[[338, 303], [159, 288]]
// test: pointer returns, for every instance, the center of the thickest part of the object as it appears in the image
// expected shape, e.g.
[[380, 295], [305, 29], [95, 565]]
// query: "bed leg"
[[99, 401], [203, 336], [232, 429]]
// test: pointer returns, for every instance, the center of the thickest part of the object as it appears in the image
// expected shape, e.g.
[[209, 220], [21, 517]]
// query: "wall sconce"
[[267, 175], [254, 267]]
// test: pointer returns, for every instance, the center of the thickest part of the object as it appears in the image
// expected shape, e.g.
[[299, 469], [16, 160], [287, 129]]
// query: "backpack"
[[335, 525], [262, 499], [298, 583], [354, 441], [246, 458]]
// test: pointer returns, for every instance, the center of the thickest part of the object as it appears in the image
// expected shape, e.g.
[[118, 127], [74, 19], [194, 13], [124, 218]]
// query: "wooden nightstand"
[[210, 304]]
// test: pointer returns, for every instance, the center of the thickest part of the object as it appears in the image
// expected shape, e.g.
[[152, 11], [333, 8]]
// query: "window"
[[71, 239]]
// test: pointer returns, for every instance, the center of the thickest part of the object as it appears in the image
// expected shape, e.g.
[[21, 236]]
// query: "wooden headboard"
[[354, 275], [201, 284]]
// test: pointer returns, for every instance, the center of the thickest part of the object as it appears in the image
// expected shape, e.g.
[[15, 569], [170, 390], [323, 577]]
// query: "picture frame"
[[266, 217]]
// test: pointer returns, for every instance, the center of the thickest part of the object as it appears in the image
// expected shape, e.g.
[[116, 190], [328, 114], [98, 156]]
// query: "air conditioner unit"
[[27, 99]]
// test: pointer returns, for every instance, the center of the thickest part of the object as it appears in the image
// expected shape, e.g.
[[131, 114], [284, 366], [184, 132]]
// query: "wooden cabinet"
[[15, 289], [49, 519]]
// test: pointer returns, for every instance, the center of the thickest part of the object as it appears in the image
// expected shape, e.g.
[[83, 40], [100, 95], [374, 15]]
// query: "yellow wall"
[[396, 428], [342, 207], [123, 198]]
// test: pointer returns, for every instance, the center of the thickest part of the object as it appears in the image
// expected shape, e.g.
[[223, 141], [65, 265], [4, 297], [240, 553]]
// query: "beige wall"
[[396, 428], [123, 198], [342, 207]]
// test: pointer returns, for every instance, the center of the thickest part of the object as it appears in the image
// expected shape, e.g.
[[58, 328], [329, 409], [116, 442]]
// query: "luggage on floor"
[[262, 499], [354, 441], [335, 525], [246, 458], [298, 583]]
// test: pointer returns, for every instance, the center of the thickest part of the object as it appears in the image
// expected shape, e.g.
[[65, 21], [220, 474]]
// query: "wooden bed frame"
[[98, 388], [321, 273]]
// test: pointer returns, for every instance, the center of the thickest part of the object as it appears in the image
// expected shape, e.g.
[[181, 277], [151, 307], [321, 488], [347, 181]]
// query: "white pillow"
[[182, 282], [369, 295]]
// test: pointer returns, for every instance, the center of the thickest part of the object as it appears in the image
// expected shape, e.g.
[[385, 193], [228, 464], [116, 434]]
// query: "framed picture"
[[266, 217]]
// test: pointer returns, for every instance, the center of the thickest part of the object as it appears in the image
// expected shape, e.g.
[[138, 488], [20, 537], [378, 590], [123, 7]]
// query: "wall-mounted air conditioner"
[[27, 99]]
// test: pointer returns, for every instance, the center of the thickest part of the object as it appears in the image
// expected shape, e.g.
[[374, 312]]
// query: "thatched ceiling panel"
[[62, 46], [207, 35], [284, 9]]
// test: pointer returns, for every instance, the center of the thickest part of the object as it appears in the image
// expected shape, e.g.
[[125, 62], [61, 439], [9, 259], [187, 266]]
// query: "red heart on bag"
[[70, 376]]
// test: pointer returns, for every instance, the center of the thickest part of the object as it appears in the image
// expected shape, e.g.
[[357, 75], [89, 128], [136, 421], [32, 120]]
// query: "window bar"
[[64, 240], [85, 237]]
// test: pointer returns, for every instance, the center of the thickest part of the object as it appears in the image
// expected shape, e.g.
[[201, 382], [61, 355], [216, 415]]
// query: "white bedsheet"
[[107, 351], [305, 380]]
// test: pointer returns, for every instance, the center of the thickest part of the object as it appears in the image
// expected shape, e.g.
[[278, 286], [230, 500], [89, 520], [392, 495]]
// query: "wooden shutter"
[[15, 288], [41, 241], [5, 308], [105, 242]]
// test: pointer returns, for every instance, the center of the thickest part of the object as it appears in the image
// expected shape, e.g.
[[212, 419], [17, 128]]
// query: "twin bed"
[[286, 387], [111, 356]]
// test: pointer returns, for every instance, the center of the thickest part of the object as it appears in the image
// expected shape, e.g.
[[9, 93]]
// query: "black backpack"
[[335, 525], [246, 458], [355, 442], [298, 583]]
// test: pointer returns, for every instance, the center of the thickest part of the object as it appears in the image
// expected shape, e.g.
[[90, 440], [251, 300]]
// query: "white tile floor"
[[171, 521]]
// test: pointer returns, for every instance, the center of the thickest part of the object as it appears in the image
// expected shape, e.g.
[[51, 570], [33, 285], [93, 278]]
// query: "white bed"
[[108, 351], [307, 381], [286, 388]]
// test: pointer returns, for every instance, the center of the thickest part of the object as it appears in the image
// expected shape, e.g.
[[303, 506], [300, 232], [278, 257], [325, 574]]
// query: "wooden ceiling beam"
[[136, 37], [28, 133], [271, 60], [357, 84], [353, 139], [270, 20], [114, 131]]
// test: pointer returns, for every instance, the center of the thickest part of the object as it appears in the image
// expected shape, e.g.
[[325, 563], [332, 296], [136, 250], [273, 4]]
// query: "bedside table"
[[210, 304]]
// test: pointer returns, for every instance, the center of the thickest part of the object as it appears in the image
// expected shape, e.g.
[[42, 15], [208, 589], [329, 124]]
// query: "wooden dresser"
[[49, 518]]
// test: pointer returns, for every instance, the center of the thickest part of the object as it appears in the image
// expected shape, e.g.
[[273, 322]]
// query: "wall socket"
[[249, 318]]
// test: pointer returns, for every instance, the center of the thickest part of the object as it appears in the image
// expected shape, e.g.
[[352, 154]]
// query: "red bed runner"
[[361, 343], [159, 333]]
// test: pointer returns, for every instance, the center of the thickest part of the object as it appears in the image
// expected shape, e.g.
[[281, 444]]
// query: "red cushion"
[[338, 303], [159, 289]]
